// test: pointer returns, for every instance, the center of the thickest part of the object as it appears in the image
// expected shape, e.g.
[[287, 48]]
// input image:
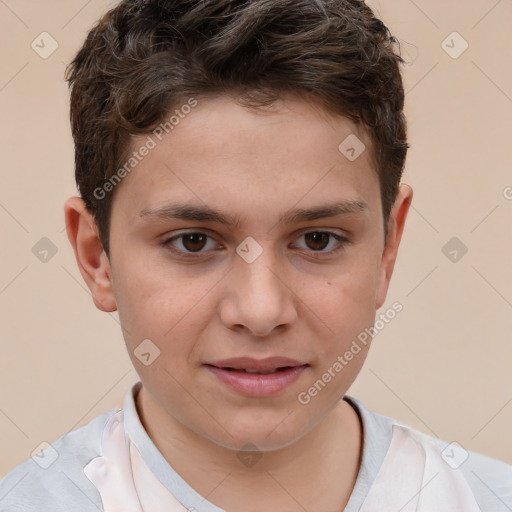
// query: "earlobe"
[[396, 225], [92, 261]]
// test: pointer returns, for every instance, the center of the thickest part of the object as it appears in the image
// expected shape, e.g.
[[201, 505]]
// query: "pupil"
[[319, 240], [191, 241]]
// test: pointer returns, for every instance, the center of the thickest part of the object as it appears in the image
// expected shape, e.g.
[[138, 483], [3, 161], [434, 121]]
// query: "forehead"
[[292, 152]]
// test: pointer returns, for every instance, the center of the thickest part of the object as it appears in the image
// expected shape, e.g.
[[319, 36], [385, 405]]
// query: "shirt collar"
[[377, 433]]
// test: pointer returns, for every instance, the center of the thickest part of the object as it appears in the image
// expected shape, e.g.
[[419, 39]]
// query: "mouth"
[[268, 365], [259, 372], [257, 378]]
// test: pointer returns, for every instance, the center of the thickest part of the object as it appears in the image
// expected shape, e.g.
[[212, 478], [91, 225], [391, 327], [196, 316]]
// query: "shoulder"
[[489, 479], [54, 479]]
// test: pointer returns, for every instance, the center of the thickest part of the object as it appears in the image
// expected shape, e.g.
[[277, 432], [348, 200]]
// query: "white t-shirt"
[[111, 465]]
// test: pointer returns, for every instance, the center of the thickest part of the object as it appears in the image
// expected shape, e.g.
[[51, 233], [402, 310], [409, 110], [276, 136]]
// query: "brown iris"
[[317, 240], [194, 241]]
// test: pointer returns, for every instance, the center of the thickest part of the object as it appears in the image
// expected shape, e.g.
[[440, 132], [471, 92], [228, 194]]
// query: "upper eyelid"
[[208, 233], [342, 238]]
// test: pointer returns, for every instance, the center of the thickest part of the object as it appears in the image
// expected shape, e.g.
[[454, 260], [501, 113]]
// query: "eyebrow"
[[206, 214]]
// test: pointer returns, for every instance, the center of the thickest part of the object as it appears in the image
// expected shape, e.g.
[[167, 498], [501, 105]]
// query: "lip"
[[257, 385], [250, 363]]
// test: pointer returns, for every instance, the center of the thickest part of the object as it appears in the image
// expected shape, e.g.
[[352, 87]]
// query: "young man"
[[239, 166]]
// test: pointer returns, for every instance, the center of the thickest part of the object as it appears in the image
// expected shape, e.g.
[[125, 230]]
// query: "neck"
[[317, 472]]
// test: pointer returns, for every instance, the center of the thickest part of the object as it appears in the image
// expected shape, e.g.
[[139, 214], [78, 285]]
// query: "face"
[[249, 234]]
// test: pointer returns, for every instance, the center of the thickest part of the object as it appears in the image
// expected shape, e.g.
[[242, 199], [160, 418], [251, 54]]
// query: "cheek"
[[343, 307], [169, 319], [157, 306], [347, 298]]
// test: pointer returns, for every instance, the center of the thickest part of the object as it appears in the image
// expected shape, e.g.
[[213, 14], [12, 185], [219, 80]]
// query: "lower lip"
[[258, 385]]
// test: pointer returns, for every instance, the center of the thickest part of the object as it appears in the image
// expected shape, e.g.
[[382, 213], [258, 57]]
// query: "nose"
[[259, 298]]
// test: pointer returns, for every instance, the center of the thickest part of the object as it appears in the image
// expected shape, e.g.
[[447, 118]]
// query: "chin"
[[256, 443], [259, 433]]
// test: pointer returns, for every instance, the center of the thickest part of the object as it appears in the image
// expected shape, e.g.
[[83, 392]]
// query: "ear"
[[91, 258], [396, 225]]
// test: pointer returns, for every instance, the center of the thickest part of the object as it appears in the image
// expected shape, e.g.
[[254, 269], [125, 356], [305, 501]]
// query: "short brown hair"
[[143, 58]]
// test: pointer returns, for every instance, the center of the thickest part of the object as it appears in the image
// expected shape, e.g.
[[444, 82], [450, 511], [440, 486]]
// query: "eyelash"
[[343, 243]]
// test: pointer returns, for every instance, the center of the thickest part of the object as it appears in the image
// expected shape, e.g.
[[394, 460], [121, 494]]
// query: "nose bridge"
[[263, 301], [259, 272]]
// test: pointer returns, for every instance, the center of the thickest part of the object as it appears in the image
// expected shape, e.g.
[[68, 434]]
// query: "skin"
[[296, 299]]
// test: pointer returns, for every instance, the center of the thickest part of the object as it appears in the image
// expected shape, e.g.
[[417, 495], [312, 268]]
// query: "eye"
[[197, 243], [189, 243], [318, 241]]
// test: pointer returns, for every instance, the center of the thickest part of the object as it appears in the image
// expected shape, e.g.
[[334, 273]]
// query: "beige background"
[[442, 365]]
